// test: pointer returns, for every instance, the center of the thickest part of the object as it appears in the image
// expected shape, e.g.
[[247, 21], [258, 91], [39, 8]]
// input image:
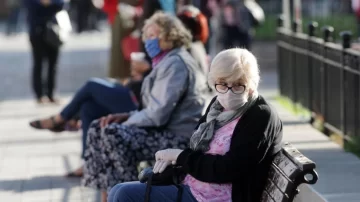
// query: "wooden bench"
[[289, 169]]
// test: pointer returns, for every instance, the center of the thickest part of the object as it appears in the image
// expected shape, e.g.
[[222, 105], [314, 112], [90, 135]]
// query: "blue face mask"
[[152, 47]]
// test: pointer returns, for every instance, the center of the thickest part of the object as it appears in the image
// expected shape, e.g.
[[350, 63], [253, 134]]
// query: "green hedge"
[[267, 31], [353, 143]]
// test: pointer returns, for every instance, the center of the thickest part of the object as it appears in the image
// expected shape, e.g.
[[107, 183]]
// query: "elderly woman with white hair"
[[172, 96], [232, 148]]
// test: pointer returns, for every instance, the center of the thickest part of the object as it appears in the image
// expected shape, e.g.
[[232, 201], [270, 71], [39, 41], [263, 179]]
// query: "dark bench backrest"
[[287, 172]]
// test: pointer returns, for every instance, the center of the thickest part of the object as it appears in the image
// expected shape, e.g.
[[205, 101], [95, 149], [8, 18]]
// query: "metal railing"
[[321, 75]]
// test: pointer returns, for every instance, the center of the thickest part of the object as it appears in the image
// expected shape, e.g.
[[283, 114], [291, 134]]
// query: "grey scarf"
[[215, 119]]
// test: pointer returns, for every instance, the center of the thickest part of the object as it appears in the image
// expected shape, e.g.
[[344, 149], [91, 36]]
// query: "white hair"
[[234, 64]]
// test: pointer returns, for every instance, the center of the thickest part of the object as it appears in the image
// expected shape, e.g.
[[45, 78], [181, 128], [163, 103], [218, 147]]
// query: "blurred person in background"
[[40, 13], [197, 24], [151, 6], [214, 42], [355, 4], [236, 25], [203, 6], [122, 25], [14, 7], [236, 20], [85, 15]]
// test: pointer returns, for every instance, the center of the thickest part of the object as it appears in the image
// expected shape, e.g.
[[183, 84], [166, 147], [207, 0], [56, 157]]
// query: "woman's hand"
[[164, 158], [168, 155], [160, 166], [113, 118], [140, 67], [135, 75]]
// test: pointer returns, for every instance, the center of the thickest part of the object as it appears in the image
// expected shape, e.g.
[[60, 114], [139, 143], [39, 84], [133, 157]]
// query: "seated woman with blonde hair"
[[233, 146], [172, 96]]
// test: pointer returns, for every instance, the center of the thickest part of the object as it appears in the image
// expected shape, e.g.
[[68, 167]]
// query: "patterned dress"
[[114, 151]]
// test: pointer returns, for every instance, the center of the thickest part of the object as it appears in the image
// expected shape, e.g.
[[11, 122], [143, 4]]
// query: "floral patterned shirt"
[[211, 192]]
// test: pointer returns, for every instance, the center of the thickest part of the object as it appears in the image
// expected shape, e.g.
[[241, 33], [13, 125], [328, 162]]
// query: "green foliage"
[[295, 108], [267, 31], [353, 145]]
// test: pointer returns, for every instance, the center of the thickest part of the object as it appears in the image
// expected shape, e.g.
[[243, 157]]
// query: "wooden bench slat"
[[286, 173], [266, 197], [280, 180], [289, 168], [298, 158], [275, 192]]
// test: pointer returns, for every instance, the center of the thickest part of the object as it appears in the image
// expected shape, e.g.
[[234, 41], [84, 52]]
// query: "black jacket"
[[135, 87], [256, 139], [38, 15]]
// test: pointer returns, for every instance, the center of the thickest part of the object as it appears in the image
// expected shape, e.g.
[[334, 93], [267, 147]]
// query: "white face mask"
[[231, 101]]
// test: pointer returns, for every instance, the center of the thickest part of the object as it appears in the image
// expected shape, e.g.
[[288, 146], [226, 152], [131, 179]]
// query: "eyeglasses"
[[223, 88]]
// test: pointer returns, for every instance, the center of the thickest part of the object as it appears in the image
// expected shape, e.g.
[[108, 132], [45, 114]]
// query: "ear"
[[165, 45], [251, 91]]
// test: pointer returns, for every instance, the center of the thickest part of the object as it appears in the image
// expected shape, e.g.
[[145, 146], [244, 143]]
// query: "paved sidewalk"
[[32, 163]]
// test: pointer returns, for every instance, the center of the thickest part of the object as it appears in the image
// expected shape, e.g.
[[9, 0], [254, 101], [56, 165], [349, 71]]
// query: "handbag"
[[58, 30], [172, 175], [52, 37]]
